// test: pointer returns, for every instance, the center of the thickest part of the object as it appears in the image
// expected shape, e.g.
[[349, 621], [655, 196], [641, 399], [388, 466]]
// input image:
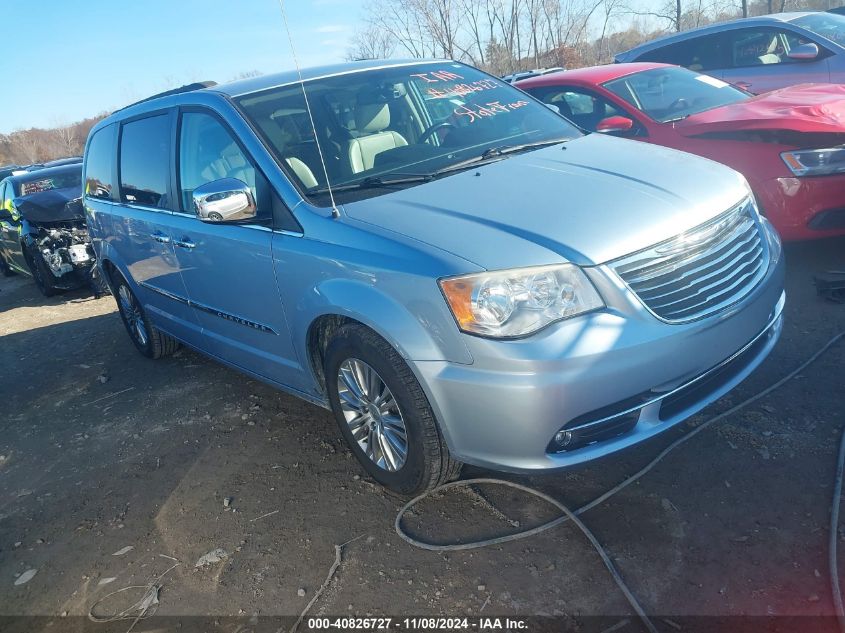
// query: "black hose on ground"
[[568, 514]]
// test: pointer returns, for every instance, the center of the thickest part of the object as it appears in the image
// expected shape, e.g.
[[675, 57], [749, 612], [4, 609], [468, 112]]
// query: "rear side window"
[[145, 161], [699, 54], [99, 163]]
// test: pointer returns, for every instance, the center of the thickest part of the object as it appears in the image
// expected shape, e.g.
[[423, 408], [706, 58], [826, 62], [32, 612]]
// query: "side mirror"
[[804, 52], [224, 200], [615, 125]]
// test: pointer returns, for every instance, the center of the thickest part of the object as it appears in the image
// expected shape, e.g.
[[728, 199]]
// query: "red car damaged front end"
[[790, 145]]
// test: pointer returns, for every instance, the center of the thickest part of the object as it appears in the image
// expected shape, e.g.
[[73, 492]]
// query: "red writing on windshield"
[[461, 90], [438, 75], [476, 112], [36, 187]]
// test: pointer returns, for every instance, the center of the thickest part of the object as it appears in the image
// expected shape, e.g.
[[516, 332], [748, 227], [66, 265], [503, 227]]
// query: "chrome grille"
[[702, 271]]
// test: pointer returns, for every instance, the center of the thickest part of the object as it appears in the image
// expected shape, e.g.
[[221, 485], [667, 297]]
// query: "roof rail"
[[197, 85]]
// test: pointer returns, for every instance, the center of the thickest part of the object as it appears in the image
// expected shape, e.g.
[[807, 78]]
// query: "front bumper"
[[620, 373], [805, 208]]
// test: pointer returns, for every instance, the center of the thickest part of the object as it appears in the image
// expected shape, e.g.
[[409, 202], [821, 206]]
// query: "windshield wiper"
[[495, 154], [373, 182], [490, 155], [678, 118], [503, 150]]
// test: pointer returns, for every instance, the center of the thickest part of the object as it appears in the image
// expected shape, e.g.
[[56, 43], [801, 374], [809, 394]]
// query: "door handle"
[[160, 237], [185, 242]]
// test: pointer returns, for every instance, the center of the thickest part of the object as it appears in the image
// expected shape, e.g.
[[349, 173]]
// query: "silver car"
[[453, 269], [758, 54]]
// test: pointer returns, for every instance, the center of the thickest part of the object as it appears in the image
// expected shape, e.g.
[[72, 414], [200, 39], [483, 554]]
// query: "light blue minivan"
[[455, 270]]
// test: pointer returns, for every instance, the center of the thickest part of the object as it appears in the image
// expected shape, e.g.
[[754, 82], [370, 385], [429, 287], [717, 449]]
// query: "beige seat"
[[302, 171], [371, 122], [771, 56]]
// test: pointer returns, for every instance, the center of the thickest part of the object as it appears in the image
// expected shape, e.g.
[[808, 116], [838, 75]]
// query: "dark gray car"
[[758, 54]]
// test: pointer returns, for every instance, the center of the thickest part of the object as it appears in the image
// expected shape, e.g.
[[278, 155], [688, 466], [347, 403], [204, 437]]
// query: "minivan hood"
[[803, 108], [592, 200]]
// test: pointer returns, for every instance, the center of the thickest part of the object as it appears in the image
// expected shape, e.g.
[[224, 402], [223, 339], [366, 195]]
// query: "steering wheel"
[[677, 104], [431, 130]]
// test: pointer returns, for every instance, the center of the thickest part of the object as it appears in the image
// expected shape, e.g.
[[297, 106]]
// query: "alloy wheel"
[[373, 416], [133, 315]]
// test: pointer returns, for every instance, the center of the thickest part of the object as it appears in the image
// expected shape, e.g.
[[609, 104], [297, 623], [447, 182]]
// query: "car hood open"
[[592, 200], [803, 108]]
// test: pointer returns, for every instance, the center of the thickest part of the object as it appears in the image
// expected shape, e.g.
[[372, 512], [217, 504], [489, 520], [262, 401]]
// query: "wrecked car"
[[43, 231], [789, 144]]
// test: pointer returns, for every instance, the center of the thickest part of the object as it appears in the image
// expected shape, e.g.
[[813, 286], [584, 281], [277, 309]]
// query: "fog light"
[[563, 438]]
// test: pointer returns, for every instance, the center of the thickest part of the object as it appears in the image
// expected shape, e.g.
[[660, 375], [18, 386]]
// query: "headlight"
[[512, 303], [816, 162]]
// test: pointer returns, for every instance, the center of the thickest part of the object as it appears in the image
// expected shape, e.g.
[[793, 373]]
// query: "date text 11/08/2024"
[[417, 624]]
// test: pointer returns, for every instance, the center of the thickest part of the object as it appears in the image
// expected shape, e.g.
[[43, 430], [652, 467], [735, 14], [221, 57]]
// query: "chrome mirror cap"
[[224, 200], [804, 52]]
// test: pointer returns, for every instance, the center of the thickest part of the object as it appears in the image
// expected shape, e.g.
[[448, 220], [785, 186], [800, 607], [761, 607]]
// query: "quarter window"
[[99, 163], [145, 161]]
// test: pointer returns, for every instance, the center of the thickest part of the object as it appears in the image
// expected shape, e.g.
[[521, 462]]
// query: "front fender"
[[419, 327]]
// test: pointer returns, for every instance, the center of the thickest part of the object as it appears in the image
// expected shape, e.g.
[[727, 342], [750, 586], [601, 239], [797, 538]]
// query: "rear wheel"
[[149, 340], [384, 414]]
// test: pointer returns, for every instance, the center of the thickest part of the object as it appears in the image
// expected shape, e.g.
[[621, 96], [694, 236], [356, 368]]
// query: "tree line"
[[504, 36], [37, 145]]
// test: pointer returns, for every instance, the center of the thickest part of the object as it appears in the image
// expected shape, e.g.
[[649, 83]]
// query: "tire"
[[216, 217], [427, 463], [40, 272], [5, 268], [98, 282], [149, 340]]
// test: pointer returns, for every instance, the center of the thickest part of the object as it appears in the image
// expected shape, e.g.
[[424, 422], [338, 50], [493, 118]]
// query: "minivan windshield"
[[385, 128], [828, 25], [671, 94]]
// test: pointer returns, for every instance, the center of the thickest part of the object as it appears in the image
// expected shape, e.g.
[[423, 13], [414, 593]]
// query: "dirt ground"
[[102, 450]]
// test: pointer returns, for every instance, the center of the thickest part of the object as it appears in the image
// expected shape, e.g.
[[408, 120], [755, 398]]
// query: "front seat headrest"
[[372, 117]]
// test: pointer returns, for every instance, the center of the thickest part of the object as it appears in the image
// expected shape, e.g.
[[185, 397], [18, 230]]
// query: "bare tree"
[[610, 8], [25, 144], [371, 43], [503, 36], [66, 139]]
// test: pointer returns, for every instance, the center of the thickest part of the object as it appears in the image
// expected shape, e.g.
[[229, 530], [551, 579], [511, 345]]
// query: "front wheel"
[[384, 414], [40, 272], [5, 269]]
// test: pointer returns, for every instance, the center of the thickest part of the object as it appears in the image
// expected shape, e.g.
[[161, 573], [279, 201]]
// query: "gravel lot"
[[103, 450]]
